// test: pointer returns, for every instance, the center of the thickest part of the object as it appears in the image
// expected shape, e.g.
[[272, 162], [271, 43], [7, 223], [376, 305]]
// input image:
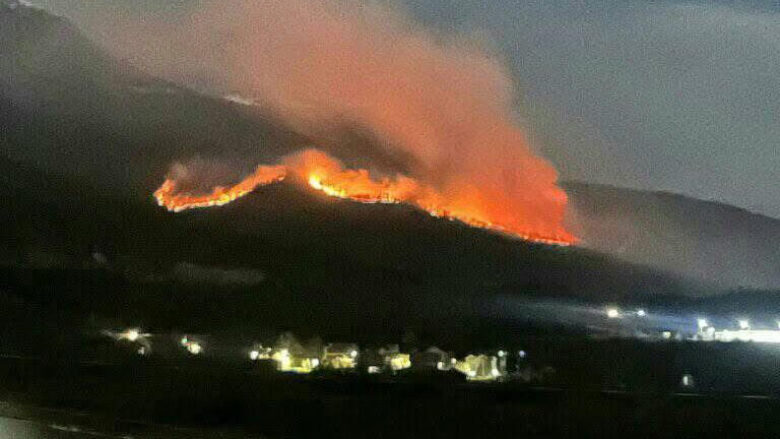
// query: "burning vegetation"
[[316, 170], [443, 104], [169, 196]]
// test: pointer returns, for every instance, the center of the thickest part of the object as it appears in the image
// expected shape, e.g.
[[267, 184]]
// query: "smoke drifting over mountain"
[[441, 103]]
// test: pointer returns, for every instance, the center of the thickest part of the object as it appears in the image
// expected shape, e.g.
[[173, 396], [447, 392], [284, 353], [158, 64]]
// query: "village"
[[288, 355]]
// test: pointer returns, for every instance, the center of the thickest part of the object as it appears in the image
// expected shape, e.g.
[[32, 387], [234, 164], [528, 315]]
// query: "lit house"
[[289, 362], [394, 359], [479, 367], [287, 356], [340, 356]]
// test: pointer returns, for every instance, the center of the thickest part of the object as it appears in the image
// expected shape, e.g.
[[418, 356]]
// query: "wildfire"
[[168, 197], [315, 169]]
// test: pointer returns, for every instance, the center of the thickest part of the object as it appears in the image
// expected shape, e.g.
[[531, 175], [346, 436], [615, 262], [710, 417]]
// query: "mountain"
[[71, 108], [89, 138], [722, 244], [313, 266]]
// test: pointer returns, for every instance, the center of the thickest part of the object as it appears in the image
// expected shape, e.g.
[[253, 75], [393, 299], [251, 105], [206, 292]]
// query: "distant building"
[[431, 358], [388, 358], [289, 362], [288, 355], [744, 334], [395, 360], [480, 367], [340, 356], [372, 360]]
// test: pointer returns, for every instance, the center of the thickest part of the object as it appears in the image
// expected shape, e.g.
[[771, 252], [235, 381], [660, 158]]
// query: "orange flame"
[[315, 169], [167, 195]]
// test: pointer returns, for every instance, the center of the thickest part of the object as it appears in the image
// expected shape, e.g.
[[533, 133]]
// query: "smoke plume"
[[443, 103]]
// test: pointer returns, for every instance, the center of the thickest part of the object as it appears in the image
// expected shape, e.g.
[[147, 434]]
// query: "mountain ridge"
[[136, 126]]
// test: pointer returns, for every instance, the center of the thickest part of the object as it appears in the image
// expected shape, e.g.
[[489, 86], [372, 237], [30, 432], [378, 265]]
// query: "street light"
[[132, 335], [194, 348]]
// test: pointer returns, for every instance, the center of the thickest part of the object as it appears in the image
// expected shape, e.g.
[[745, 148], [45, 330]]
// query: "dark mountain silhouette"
[[88, 139], [706, 240]]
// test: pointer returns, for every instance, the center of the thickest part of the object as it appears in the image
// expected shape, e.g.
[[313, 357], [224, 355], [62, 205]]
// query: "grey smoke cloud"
[[679, 96], [442, 101], [671, 95]]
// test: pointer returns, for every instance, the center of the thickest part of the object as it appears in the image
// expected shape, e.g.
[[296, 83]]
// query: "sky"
[[665, 95]]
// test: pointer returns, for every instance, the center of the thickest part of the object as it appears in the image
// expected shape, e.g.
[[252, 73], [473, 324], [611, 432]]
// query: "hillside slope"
[[97, 137], [706, 240]]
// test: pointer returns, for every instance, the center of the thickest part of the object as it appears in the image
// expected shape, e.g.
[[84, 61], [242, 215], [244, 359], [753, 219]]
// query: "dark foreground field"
[[146, 399]]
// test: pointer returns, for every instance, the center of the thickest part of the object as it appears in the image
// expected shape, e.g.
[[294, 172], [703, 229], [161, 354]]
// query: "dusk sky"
[[370, 218], [676, 96]]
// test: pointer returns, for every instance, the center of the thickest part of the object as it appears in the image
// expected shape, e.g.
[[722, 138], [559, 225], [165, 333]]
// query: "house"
[[395, 360], [480, 367], [340, 356], [432, 358]]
